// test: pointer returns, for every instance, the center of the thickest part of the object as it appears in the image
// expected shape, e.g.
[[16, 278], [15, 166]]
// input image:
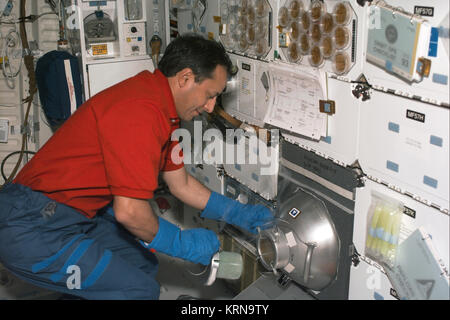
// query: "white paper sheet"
[[295, 104]]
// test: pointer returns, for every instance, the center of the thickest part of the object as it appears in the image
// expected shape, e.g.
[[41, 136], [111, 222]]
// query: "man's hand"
[[247, 216], [196, 245]]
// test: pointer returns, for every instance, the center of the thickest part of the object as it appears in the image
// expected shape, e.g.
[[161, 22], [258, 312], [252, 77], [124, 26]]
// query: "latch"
[[356, 168], [354, 255], [362, 88]]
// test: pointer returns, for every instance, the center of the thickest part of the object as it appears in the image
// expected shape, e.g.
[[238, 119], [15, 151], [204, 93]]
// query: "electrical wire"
[[29, 64], [197, 21], [2, 167], [11, 43], [30, 18], [52, 5]]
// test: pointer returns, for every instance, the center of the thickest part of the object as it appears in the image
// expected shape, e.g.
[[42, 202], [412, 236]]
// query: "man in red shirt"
[[112, 149]]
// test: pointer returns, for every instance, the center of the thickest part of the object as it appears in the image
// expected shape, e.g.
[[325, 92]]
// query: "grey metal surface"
[[267, 288], [310, 237]]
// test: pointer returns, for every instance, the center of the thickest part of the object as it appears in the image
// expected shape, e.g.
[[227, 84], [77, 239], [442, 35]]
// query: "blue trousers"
[[55, 247]]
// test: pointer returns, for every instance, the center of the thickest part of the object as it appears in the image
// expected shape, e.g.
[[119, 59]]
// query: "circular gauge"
[[293, 52], [327, 23], [295, 9], [261, 9], [341, 37], [316, 58], [283, 17], [98, 27], [316, 33], [342, 13], [328, 48], [304, 44], [341, 62], [317, 9], [295, 30], [305, 20]]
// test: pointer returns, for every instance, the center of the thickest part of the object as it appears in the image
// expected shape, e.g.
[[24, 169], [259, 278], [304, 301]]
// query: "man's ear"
[[184, 77]]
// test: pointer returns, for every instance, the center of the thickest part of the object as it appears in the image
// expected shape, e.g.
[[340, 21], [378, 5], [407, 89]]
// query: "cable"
[[11, 42], [52, 5], [29, 64], [30, 18], [197, 21], [7, 157]]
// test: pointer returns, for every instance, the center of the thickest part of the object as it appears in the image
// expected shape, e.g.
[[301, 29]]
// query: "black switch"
[[134, 29]]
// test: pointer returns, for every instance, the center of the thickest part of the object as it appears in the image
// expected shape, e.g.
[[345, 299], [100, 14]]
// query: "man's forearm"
[[193, 194], [186, 188], [136, 216]]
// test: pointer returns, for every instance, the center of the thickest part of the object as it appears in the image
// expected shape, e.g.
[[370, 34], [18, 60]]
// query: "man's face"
[[197, 97]]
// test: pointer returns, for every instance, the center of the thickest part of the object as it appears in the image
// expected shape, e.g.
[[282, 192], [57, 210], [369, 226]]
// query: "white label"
[[291, 239], [70, 86], [294, 212], [4, 127], [289, 268]]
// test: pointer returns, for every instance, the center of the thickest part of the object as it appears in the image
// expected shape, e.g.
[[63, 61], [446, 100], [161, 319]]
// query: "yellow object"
[[99, 49], [384, 229], [371, 236], [388, 220]]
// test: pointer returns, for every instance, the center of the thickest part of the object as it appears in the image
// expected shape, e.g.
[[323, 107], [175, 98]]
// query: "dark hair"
[[197, 53]]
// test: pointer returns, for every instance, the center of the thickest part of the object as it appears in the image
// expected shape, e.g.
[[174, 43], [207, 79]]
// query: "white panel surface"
[[369, 283], [341, 142], [102, 76], [260, 176], [246, 98], [407, 153], [207, 175]]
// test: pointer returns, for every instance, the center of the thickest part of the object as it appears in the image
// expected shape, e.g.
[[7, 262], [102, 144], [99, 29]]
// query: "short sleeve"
[[173, 157]]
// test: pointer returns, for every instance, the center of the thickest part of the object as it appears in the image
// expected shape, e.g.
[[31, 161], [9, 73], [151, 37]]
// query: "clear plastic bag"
[[383, 228]]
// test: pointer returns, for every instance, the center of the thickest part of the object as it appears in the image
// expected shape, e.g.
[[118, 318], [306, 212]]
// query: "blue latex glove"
[[196, 245], [231, 211]]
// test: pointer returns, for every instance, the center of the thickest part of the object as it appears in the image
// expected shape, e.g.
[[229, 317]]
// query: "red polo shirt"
[[114, 144]]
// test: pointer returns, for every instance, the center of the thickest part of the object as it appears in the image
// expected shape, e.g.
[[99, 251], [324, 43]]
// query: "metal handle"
[[307, 267]]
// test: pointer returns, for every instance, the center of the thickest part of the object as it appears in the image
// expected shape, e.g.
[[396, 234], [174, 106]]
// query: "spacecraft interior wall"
[[410, 149], [428, 40]]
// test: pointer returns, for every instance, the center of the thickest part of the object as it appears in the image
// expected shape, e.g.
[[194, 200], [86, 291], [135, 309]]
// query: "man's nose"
[[209, 106]]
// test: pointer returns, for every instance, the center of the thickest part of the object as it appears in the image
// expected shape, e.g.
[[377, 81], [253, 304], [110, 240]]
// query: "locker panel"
[[435, 87], [369, 283], [341, 142], [405, 143], [433, 221]]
